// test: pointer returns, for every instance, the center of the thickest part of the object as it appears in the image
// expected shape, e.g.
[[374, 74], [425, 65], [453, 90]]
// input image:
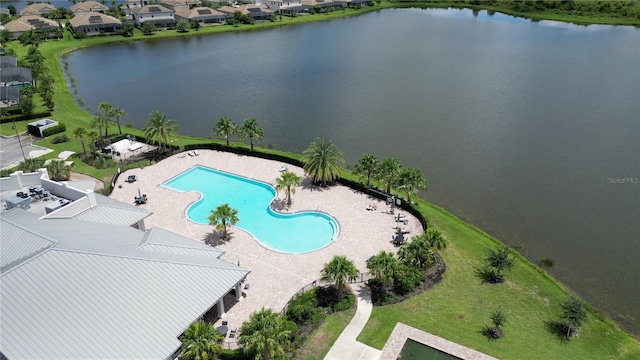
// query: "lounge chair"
[[283, 168], [196, 153], [190, 153]]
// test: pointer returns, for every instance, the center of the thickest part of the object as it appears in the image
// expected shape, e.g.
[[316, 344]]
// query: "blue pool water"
[[292, 233]]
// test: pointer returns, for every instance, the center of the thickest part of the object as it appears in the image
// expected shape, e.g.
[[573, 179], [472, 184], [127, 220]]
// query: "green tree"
[[251, 131], [127, 29], [31, 165], [498, 318], [303, 308], [435, 239], [80, 133], [12, 10], [322, 161], [31, 37], [98, 122], [574, 313], [148, 28], [418, 252], [225, 128], [182, 25], [26, 105], [288, 181], [107, 111], [201, 341], [5, 36], [367, 166], [58, 170], [388, 171], [339, 271], [497, 261], [223, 216], [195, 25], [160, 129], [407, 278], [411, 181], [118, 114], [267, 335], [384, 266]]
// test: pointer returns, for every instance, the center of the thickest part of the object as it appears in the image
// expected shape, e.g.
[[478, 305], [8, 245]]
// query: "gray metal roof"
[[97, 293], [106, 211], [18, 245]]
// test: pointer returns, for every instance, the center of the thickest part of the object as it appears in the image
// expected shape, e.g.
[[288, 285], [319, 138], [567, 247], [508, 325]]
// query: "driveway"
[[10, 153]]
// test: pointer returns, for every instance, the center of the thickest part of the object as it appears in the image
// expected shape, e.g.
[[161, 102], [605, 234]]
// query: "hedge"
[[54, 130]]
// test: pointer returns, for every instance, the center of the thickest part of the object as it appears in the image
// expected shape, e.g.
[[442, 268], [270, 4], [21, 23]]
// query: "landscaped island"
[[461, 305]]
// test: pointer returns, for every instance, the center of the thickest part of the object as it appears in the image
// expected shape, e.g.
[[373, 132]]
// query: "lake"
[[529, 130]]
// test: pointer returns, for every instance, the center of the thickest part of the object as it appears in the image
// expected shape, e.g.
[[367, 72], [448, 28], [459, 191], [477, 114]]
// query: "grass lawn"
[[460, 306], [320, 341]]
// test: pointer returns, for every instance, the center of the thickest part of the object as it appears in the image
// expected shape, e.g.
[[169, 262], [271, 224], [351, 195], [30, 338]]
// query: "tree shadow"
[[559, 329], [214, 238], [308, 184], [279, 204]]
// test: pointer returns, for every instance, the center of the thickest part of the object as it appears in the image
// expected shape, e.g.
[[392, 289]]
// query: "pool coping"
[[402, 332], [270, 208]]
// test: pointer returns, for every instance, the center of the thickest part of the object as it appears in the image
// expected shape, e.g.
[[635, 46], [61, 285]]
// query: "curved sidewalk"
[[346, 347]]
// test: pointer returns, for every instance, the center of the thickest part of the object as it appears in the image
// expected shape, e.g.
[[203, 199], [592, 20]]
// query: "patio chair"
[[232, 333]]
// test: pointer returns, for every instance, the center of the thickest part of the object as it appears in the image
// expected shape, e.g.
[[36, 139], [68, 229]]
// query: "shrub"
[[60, 139], [547, 262], [379, 295], [54, 130], [329, 297]]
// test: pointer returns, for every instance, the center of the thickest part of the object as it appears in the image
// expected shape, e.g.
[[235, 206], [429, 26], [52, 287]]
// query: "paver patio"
[[275, 277]]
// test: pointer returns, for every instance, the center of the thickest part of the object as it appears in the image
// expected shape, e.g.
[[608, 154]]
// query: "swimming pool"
[[291, 233]]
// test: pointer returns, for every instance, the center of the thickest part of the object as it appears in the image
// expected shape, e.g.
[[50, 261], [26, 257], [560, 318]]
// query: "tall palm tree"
[[31, 164], [288, 181], [388, 171], [80, 133], [225, 128], [93, 136], [322, 161], [267, 335], [58, 170], [384, 266], [118, 114], [98, 122], [222, 216], [160, 129], [340, 270], [367, 165], [251, 131], [107, 111], [201, 341], [411, 181]]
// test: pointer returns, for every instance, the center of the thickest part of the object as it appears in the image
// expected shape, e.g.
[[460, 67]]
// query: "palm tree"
[[288, 181], [267, 335], [435, 239], [201, 341], [340, 270], [322, 160], [388, 171], [31, 164], [384, 266], [160, 129], [251, 130], [107, 111], [223, 216], [411, 181], [98, 122], [225, 128], [367, 165], [303, 306], [418, 252], [93, 136], [58, 170], [118, 114], [80, 133]]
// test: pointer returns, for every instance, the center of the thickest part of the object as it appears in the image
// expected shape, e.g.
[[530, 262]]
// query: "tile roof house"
[[29, 22], [93, 23], [83, 284], [203, 15], [157, 14], [257, 12], [176, 5], [277, 5], [37, 9], [87, 7]]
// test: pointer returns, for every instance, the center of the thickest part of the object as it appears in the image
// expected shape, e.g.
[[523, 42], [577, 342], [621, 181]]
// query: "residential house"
[[356, 4], [277, 5], [12, 78], [324, 5], [37, 9], [85, 284], [202, 15], [177, 5], [93, 23], [257, 12], [30, 22], [87, 7], [159, 15]]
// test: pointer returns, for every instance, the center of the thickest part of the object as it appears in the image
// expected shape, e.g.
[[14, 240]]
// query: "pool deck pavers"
[[275, 277]]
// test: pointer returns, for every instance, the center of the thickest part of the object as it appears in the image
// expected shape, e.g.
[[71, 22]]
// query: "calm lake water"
[[530, 130]]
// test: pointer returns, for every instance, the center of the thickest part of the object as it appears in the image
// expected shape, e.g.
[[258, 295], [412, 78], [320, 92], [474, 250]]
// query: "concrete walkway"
[[346, 347]]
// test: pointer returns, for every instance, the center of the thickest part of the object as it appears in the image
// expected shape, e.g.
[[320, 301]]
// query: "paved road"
[[10, 154]]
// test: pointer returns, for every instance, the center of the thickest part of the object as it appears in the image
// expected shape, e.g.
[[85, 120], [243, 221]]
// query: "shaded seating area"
[[131, 179], [142, 199]]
